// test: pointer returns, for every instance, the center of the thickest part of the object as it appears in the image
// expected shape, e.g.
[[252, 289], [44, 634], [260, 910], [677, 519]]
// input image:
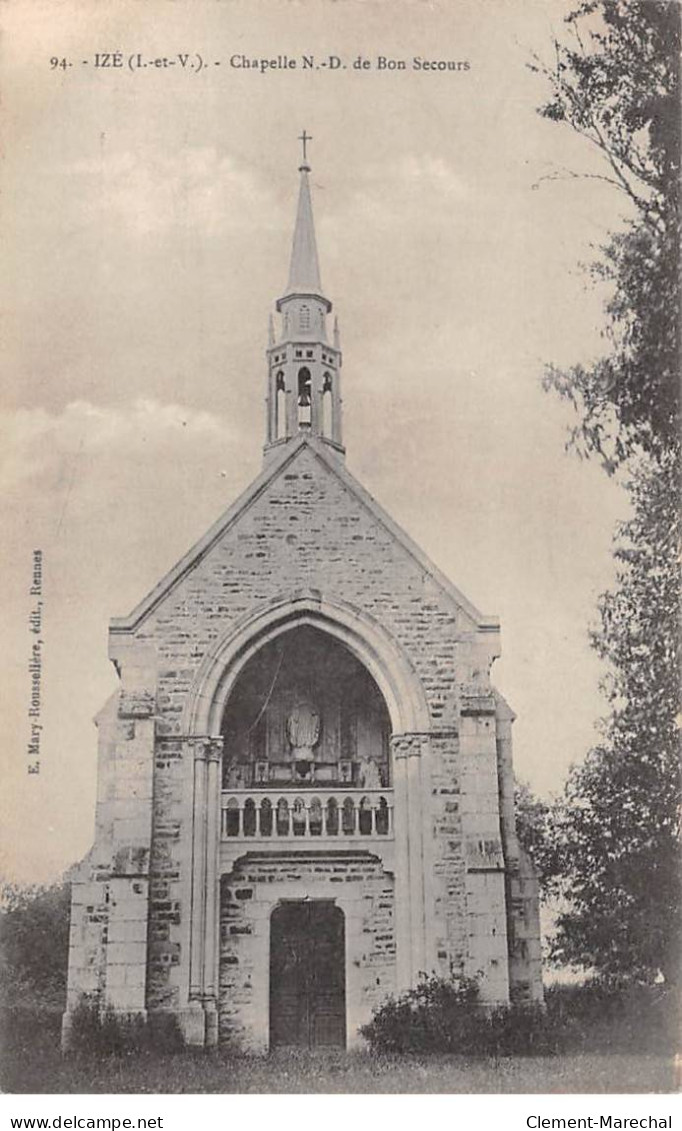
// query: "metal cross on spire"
[[305, 138]]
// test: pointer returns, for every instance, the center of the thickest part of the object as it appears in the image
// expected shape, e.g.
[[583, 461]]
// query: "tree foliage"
[[34, 942], [614, 839], [616, 84], [536, 832], [446, 1015], [616, 828]]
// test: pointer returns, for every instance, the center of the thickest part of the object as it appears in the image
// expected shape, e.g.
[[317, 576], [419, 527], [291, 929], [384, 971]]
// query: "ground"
[[32, 1063]]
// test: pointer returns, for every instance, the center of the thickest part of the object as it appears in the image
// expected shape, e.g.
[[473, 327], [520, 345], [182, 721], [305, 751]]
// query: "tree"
[[615, 830], [617, 85], [34, 942]]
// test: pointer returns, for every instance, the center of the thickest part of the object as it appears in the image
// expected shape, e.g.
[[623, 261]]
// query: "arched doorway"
[[307, 975]]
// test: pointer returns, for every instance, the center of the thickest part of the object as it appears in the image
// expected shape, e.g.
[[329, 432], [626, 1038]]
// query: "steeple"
[[304, 270], [303, 390]]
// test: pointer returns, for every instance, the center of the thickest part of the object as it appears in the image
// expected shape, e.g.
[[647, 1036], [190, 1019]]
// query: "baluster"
[[285, 821]]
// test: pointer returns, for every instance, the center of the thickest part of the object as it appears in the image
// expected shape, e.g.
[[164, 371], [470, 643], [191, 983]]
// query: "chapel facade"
[[305, 785]]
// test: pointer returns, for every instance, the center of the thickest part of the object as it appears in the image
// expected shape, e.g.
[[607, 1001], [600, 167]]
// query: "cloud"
[[35, 442], [96, 487], [208, 193], [430, 173], [424, 189]]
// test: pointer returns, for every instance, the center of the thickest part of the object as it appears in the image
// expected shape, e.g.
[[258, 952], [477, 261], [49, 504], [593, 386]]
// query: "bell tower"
[[303, 383]]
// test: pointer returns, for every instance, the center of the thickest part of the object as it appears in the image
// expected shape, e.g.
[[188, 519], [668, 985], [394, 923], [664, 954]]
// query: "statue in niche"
[[370, 775], [346, 771], [303, 732], [261, 772], [234, 779]]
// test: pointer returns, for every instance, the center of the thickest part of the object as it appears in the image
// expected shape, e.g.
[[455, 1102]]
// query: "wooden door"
[[307, 975]]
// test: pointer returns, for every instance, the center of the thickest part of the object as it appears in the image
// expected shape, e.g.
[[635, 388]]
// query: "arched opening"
[[280, 407], [378, 652], [304, 317], [305, 401], [327, 407], [305, 711]]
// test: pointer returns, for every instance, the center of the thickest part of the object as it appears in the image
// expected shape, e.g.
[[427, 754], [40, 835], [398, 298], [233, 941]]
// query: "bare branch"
[[563, 174]]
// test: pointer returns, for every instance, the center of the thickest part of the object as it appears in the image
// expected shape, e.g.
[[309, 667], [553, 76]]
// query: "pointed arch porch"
[[386, 661]]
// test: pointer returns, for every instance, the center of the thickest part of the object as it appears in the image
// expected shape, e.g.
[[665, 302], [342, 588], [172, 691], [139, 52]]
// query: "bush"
[[446, 1015], [104, 1032], [436, 1016], [523, 1029], [615, 1016]]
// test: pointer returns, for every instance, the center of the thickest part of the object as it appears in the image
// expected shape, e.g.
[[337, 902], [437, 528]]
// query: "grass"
[[32, 1063]]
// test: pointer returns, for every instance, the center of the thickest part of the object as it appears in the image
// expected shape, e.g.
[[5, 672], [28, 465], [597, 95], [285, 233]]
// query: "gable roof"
[[253, 492]]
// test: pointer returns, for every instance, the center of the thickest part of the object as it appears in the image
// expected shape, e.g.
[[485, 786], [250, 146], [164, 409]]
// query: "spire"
[[304, 270], [304, 370]]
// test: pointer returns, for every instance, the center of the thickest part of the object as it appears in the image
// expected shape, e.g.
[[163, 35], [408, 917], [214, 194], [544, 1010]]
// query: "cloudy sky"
[[146, 230]]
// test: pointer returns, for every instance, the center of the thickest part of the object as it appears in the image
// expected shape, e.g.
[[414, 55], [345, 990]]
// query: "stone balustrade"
[[265, 814]]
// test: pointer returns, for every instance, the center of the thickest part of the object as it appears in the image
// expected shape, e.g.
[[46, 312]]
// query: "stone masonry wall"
[[305, 531], [525, 961], [449, 865], [108, 937], [359, 886], [523, 911], [169, 854]]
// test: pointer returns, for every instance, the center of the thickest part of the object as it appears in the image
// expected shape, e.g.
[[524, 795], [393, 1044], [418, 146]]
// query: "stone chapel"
[[305, 785]]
